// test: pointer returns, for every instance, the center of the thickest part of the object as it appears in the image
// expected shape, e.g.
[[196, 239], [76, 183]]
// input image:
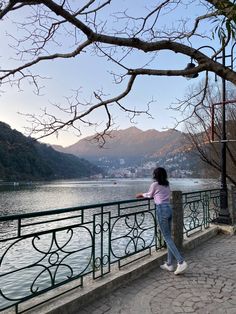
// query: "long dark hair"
[[160, 175]]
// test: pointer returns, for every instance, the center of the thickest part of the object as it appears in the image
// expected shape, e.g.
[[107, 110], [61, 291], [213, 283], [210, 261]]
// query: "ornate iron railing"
[[45, 250], [45, 254], [200, 209]]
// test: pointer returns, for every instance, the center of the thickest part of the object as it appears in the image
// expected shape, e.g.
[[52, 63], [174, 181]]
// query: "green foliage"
[[22, 158], [224, 29], [226, 26]]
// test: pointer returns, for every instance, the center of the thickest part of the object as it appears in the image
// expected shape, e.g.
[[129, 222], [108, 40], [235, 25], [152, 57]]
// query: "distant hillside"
[[22, 158], [131, 143], [135, 153]]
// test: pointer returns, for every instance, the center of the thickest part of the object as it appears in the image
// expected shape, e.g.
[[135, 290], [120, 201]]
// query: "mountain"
[[129, 144], [135, 153], [23, 158]]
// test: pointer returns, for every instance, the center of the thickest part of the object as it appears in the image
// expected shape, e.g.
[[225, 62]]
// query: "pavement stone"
[[207, 287]]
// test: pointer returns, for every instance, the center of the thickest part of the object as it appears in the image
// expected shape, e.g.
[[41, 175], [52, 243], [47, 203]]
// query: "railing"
[[200, 209], [45, 254], [42, 251]]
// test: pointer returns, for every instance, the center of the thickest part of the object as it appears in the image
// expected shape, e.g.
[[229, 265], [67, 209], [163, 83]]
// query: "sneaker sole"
[[170, 270], [180, 272]]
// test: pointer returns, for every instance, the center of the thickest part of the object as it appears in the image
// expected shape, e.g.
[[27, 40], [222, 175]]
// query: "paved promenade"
[[208, 286]]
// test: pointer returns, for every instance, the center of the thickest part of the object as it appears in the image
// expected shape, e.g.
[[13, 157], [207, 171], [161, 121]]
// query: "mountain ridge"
[[23, 158], [128, 143], [135, 153]]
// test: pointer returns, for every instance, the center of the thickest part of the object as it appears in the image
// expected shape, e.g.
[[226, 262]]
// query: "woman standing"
[[160, 191]]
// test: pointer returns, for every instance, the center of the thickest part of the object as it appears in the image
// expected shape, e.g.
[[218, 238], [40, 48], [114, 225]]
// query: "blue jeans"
[[164, 216]]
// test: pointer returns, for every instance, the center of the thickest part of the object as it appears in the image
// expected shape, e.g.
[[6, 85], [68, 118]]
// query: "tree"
[[226, 26], [205, 136], [89, 26]]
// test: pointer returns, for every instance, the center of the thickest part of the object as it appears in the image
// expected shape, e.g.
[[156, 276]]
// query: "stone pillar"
[[233, 205], [178, 218]]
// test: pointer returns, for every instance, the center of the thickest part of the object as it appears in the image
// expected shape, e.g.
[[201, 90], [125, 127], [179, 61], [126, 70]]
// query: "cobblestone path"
[[208, 286]]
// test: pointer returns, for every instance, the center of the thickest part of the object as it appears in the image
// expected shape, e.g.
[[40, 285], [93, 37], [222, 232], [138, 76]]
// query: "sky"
[[89, 73]]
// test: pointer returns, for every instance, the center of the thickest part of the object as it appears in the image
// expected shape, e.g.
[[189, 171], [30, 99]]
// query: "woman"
[[160, 191]]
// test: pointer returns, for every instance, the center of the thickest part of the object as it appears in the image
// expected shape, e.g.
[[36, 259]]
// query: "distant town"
[[179, 166]]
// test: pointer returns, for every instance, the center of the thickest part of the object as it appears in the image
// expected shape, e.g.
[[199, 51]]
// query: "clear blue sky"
[[92, 73]]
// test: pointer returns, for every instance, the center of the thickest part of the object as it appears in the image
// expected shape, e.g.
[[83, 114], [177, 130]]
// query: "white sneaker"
[[165, 266], [181, 268]]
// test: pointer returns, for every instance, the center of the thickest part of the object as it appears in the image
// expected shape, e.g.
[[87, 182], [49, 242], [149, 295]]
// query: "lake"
[[42, 196]]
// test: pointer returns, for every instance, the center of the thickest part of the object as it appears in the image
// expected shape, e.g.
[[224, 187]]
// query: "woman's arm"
[[150, 192]]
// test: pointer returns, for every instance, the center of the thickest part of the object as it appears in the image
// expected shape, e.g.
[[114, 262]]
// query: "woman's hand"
[[139, 195]]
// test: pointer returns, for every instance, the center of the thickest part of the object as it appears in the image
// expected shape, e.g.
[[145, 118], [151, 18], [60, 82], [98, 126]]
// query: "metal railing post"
[[233, 204]]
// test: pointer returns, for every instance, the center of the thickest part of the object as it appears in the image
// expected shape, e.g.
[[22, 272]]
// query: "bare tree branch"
[[199, 134], [49, 124], [90, 26]]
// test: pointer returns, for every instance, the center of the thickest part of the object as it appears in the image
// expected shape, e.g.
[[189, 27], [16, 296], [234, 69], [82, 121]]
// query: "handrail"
[[76, 208], [65, 210]]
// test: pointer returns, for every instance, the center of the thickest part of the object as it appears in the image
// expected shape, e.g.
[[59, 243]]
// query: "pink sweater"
[[160, 193]]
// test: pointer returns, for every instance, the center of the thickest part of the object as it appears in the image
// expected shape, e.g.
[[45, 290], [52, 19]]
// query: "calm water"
[[70, 193]]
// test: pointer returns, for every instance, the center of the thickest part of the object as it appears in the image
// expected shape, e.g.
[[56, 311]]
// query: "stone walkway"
[[208, 286]]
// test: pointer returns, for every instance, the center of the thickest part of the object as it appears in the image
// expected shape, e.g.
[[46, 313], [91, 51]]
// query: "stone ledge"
[[227, 229], [200, 237], [70, 302]]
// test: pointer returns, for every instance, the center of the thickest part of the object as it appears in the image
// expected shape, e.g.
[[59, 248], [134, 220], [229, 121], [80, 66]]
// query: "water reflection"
[[41, 196]]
